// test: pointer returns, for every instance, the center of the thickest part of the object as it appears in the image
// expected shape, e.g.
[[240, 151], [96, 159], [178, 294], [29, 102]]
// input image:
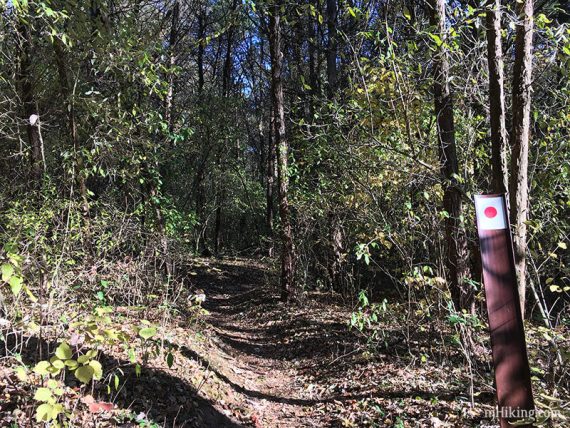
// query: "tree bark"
[[496, 98], [201, 42], [520, 136], [168, 109], [456, 242], [270, 180], [226, 81], [172, 40], [27, 88], [67, 95], [312, 52], [332, 46], [282, 147]]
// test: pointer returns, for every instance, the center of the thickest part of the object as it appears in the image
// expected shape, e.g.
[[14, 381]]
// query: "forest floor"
[[258, 362], [254, 361]]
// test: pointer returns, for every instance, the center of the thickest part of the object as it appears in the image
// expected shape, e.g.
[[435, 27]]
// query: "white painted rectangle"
[[490, 213]]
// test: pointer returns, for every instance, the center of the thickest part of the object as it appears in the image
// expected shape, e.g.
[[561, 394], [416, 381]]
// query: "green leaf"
[[22, 374], [43, 394], [169, 360], [58, 364], [63, 351], [41, 368], [30, 294], [147, 333], [407, 13], [53, 369], [436, 39], [72, 364], [16, 283], [116, 379], [44, 412], [82, 359], [84, 374], [7, 272], [97, 369]]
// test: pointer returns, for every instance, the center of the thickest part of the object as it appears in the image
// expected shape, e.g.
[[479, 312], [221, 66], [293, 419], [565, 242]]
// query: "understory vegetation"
[[238, 213]]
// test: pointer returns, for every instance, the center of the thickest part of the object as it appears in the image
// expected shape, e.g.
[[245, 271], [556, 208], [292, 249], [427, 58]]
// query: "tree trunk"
[[332, 46], [226, 81], [270, 181], [457, 252], [282, 147], [520, 136], [201, 42], [168, 108], [67, 95], [227, 70], [27, 88], [496, 98], [173, 39], [312, 53]]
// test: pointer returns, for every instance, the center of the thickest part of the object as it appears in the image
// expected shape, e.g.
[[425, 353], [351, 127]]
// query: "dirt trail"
[[268, 364], [255, 362], [263, 349]]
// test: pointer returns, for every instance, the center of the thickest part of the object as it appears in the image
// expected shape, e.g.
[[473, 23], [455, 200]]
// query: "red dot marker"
[[490, 212]]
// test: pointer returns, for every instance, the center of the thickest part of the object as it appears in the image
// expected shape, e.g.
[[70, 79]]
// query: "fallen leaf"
[[88, 399], [97, 407]]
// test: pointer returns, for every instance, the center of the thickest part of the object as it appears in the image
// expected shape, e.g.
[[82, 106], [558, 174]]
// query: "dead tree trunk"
[[282, 147], [497, 97], [520, 136], [456, 242]]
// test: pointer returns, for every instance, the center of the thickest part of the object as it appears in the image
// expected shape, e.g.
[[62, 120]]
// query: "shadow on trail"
[[250, 321], [427, 395]]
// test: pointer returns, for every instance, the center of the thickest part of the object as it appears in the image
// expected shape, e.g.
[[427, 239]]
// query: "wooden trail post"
[[512, 373]]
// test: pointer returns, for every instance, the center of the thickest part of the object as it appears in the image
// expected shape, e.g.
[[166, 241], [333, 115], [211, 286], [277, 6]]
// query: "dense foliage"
[[137, 135]]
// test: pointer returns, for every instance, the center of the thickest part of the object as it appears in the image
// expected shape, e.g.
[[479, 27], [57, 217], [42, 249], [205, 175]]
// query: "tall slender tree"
[[27, 85], [67, 95], [270, 180], [497, 97], [456, 241], [332, 8], [172, 41], [282, 147], [226, 81], [520, 137]]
